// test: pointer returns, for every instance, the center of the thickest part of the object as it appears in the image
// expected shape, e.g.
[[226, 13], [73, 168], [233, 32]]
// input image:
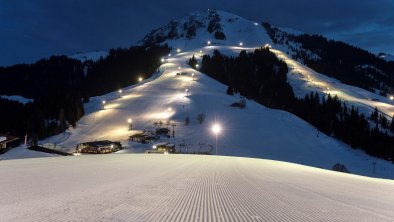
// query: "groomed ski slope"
[[142, 187], [252, 132], [304, 80]]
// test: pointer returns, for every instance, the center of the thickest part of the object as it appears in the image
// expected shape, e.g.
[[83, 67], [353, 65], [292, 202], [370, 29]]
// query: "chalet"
[[144, 137], [99, 147], [7, 142], [163, 148]]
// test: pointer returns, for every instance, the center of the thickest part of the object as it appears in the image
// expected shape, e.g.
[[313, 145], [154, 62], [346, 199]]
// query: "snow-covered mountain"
[[246, 34], [127, 186], [253, 132], [214, 26], [386, 56]]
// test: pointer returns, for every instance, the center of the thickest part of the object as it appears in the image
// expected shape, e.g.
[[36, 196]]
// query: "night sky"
[[31, 29]]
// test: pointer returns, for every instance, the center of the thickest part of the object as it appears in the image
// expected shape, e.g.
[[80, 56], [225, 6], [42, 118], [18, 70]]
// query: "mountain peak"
[[217, 26]]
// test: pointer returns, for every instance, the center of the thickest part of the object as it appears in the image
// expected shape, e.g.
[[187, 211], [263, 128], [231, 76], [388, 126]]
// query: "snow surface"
[[143, 187], [17, 98], [22, 152], [252, 132]]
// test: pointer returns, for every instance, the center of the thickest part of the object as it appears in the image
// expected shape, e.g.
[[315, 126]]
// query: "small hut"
[[340, 168]]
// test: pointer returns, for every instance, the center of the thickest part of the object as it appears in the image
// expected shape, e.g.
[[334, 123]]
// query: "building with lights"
[[99, 147]]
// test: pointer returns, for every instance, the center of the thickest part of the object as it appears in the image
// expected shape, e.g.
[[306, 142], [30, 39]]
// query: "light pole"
[[103, 102], [391, 99], [216, 130], [173, 129], [130, 121], [374, 166], [169, 112], [120, 93]]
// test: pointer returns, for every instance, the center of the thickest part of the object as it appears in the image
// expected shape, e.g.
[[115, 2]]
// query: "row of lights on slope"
[[208, 43]]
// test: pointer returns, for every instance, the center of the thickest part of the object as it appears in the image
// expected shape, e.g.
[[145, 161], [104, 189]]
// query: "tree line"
[[59, 85], [261, 76]]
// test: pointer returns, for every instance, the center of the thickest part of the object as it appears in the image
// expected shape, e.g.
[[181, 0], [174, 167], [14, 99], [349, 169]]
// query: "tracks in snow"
[[187, 188]]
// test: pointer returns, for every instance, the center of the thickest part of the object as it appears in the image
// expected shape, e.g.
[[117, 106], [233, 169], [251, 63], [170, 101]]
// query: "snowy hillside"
[[252, 132], [242, 33], [305, 80], [186, 188]]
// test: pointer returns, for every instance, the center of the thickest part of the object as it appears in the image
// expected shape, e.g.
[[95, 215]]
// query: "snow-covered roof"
[[7, 138], [161, 144]]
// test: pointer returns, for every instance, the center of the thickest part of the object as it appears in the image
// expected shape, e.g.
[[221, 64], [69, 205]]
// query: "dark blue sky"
[[31, 29]]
